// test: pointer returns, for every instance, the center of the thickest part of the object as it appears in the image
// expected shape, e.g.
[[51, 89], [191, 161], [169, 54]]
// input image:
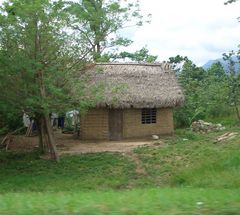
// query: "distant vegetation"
[[210, 94]]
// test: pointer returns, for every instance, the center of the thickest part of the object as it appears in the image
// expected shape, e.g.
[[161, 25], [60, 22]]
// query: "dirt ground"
[[68, 144]]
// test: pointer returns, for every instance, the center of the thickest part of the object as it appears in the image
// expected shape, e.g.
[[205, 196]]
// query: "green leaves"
[[139, 56], [98, 23], [40, 58], [233, 80], [206, 92]]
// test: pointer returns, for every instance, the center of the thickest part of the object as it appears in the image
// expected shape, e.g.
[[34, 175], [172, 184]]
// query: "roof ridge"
[[163, 64]]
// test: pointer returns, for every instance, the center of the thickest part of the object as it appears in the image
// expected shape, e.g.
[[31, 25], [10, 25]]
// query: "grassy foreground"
[[185, 174], [167, 201]]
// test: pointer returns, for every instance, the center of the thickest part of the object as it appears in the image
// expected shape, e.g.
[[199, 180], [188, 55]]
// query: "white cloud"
[[200, 29]]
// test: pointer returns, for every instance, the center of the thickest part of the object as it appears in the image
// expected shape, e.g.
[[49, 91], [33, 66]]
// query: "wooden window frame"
[[149, 116]]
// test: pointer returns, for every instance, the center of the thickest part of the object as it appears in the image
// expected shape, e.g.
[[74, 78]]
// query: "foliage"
[[44, 45], [11, 119], [206, 92], [41, 63], [233, 81], [190, 76], [214, 92], [35, 53], [177, 62], [139, 56], [98, 23]]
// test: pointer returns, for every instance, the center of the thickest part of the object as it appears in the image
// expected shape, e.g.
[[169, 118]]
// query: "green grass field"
[[188, 174], [166, 201]]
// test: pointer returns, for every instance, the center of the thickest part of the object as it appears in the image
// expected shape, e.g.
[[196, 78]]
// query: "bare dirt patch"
[[68, 144], [104, 146]]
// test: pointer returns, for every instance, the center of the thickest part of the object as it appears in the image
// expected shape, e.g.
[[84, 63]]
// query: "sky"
[[200, 29]]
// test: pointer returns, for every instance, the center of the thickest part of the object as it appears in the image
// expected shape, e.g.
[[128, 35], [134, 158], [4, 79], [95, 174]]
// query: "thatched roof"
[[137, 85]]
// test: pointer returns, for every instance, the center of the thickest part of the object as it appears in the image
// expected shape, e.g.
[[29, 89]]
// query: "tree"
[[207, 93], [99, 22], [177, 63], [40, 64], [10, 118], [233, 77], [214, 92], [138, 56], [191, 77], [233, 81]]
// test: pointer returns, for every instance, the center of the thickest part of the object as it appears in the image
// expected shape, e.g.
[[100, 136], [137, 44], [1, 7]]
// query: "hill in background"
[[224, 64]]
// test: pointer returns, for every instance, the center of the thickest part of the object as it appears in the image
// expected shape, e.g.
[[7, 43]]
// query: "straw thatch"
[[131, 85]]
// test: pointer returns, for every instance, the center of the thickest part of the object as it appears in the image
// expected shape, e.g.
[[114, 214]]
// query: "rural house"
[[138, 101]]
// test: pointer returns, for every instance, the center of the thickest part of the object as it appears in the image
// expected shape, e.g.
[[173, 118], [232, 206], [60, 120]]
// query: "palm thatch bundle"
[[131, 85]]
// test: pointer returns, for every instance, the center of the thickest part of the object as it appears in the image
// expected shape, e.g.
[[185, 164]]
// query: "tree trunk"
[[40, 135], [96, 51], [51, 140], [46, 138], [237, 111]]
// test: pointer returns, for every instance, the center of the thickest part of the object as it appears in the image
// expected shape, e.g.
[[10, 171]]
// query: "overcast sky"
[[199, 29]]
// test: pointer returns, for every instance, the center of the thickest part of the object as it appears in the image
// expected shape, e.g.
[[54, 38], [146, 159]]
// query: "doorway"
[[115, 123]]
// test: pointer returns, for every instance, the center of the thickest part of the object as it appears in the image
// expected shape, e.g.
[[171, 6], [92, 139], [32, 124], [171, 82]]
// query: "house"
[[138, 101]]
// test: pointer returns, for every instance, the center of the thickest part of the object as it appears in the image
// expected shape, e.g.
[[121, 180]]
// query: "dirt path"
[[140, 170]]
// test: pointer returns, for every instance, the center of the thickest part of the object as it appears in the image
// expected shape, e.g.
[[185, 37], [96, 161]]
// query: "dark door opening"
[[115, 122]]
